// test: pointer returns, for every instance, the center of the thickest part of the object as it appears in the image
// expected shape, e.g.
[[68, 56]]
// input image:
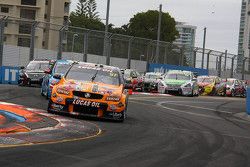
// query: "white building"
[[187, 39]]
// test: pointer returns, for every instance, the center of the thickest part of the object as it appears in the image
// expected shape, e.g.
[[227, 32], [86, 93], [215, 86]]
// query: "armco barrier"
[[163, 68], [9, 75], [248, 101]]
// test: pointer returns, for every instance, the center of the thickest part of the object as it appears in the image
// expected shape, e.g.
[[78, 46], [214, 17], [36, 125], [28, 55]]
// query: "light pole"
[[73, 41], [158, 35], [106, 30], [204, 47]]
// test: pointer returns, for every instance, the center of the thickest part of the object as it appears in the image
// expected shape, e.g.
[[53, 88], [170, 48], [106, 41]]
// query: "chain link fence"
[[24, 40]]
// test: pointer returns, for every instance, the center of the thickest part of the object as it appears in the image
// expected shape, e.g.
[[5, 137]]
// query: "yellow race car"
[[91, 90], [211, 85]]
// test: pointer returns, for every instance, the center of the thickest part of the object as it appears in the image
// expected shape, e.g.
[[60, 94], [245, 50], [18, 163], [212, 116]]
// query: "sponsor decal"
[[113, 98], [86, 103], [59, 99], [57, 106]]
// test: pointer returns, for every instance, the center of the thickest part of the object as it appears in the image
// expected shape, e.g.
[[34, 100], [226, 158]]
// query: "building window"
[[43, 43], [46, 2], [4, 9], [25, 28], [24, 42], [28, 14], [45, 16], [5, 24], [28, 2]]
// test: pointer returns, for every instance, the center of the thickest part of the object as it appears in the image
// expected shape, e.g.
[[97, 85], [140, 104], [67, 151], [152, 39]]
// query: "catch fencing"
[[23, 40]]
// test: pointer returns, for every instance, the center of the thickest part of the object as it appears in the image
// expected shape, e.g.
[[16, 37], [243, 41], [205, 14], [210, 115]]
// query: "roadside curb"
[[41, 127], [23, 120], [243, 116]]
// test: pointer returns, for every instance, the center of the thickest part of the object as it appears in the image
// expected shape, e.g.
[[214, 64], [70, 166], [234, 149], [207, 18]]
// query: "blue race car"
[[59, 68]]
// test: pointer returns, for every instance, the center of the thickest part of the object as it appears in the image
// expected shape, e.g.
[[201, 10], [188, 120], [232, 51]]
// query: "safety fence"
[[23, 40]]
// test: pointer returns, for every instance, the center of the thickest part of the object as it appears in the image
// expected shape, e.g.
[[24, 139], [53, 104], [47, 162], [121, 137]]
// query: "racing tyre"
[[124, 113], [233, 93]]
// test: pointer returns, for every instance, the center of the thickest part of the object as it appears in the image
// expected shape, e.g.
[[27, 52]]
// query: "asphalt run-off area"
[[159, 131]]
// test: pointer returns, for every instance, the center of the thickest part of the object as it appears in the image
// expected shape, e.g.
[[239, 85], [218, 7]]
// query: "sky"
[[221, 17]]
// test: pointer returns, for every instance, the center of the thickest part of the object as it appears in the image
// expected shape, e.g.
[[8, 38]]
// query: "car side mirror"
[[47, 71], [57, 76], [22, 67]]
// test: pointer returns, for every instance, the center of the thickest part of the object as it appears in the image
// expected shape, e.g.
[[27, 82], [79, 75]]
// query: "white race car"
[[179, 82]]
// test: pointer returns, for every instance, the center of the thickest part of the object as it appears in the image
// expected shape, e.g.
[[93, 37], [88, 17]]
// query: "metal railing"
[[68, 39]]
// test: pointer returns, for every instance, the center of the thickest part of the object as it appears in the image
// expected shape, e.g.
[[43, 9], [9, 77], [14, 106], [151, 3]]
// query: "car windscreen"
[[61, 68], [230, 82], [85, 74], [178, 76], [38, 66], [152, 76], [206, 80]]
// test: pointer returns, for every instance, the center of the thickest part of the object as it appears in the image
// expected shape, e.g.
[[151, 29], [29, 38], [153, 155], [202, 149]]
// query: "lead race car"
[[91, 90], [179, 82]]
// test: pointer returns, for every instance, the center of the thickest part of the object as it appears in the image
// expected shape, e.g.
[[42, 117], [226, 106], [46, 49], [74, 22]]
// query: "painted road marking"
[[159, 104], [84, 130]]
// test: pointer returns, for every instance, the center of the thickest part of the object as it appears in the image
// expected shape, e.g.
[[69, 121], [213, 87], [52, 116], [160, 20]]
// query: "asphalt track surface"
[[159, 132]]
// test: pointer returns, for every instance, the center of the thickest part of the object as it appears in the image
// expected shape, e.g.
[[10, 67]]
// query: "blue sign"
[[9, 75], [248, 101], [163, 68]]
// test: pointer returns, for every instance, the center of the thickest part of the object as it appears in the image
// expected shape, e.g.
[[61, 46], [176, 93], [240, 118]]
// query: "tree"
[[145, 25], [85, 22], [87, 8], [91, 10]]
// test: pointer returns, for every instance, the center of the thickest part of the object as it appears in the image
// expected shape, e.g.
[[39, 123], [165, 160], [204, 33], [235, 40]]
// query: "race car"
[[235, 87], [91, 90], [133, 78], [211, 85], [179, 82], [33, 73], [60, 67], [150, 82]]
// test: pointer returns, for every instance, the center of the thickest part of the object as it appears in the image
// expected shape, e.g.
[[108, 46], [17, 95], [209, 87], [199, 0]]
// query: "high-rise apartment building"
[[187, 39], [19, 33], [244, 34]]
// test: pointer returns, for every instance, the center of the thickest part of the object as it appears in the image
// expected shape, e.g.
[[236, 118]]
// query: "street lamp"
[[73, 41]]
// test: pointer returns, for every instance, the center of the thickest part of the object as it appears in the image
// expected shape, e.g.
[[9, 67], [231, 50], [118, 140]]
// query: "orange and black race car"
[[90, 90]]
